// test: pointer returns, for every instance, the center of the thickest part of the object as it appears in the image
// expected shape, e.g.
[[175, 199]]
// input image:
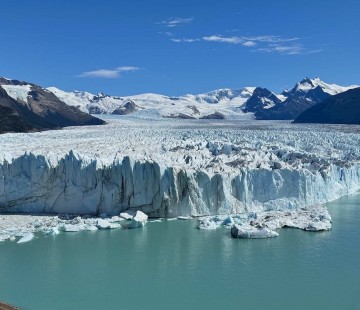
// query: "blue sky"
[[179, 46]]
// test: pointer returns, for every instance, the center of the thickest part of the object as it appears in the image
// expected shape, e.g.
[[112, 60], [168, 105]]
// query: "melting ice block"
[[73, 227], [139, 220], [238, 231], [127, 215], [207, 223], [26, 237], [104, 224]]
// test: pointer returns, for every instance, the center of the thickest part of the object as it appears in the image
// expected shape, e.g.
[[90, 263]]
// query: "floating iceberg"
[[127, 215], [139, 220], [207, 224], [249, 232], [104, 224], [26, 238], [262, 224], [73, 227]]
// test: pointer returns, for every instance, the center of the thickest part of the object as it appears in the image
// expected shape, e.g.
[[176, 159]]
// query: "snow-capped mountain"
[[26, 106], [224, 95], [307, 85], [221, 103], [225, 102], [302, 96], [261, 99]]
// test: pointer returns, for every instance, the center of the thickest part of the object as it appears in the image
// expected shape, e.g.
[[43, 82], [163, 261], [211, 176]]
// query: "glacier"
[[177, 168]]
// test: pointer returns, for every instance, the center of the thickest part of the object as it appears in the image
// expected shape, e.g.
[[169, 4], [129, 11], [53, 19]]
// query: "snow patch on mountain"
[[85, 101], [222, 96], [18, 92]]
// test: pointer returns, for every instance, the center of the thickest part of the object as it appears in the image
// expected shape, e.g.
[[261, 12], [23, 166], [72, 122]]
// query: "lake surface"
[[172, 265]]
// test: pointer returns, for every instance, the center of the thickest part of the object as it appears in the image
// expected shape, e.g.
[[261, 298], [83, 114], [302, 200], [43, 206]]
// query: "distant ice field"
[[154, 139]]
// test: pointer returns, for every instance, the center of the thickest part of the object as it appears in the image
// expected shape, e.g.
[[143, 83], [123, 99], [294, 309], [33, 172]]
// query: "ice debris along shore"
[[23, 227], [263, 224], [170, 169]]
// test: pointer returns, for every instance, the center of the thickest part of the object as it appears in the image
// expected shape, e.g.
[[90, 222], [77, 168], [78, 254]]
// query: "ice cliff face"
[[31, 184], [177, 172]]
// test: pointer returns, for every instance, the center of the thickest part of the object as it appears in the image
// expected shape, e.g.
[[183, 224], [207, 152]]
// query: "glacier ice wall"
[[31, 183]]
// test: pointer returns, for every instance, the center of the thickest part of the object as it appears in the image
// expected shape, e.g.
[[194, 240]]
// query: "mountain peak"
[[310, 80], [308, 84], [306, 80]]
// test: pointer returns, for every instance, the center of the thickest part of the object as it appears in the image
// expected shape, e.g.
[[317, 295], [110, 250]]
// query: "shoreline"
[[6, 306]]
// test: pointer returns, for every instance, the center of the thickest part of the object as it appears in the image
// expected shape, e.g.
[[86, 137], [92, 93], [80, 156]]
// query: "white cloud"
[[292, 49], [218, 38], [127, 68], [177, 21], [269, 39], [267, 43], [249, 43], [108, 73], [185, 40]]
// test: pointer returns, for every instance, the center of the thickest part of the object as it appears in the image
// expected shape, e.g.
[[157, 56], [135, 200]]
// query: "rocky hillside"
[[343, 108], [29, 107], [261, 99]]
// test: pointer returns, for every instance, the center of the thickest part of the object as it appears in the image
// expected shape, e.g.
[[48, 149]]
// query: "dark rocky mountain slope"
[[261, 99], [304, 95], [29, 107], [343, 108]]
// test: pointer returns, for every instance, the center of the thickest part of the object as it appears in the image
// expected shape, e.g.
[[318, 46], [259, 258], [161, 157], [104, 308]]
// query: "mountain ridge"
[[241, 103], [263, 103]]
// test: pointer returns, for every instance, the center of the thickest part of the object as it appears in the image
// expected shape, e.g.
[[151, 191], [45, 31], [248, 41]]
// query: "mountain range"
[[256, 102], [25, 106], [302, 96]]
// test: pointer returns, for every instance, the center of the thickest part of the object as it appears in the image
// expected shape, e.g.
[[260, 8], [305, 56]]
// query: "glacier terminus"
[[264, 175]]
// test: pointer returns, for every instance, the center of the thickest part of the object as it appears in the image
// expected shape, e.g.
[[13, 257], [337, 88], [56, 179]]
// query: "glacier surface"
[[170, 169]]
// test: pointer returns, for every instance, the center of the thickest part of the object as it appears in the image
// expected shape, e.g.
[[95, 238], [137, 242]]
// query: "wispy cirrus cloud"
[[185, 40], [292, 49], [266, 43], [108, 73], [244, 40], [176, 21], [270, 39], [221, 39]]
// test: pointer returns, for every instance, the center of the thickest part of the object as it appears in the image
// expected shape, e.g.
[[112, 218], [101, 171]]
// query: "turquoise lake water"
[[173, 265]]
